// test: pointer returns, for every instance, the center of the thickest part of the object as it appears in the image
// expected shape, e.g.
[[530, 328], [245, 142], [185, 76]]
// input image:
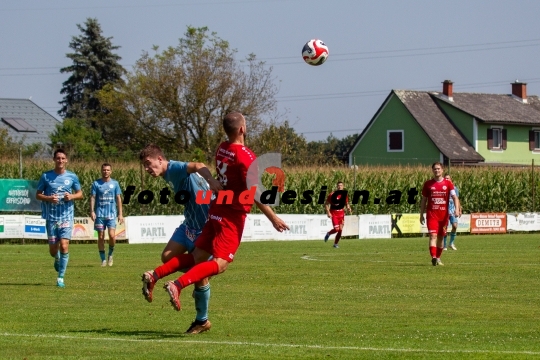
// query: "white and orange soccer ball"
[[315, 52]]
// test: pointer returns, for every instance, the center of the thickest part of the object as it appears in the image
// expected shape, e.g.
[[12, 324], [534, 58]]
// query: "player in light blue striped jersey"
[[56, 190], [186, 179], [104, 200]]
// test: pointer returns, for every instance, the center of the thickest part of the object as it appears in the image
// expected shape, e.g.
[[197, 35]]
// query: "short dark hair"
[[106, 164], [232, 122], [339, 182], [437, 163], [59, 151], [151, 150]]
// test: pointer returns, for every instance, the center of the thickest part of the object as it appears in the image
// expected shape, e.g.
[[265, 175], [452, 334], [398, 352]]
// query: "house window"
[[496, 139], [534, 140], [395, 140]]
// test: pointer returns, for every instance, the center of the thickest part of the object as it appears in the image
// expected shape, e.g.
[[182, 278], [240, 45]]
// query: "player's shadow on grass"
[[147, 334], [23, 284]]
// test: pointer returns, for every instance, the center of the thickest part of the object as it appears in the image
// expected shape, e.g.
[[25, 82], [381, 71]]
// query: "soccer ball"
[[315, 52]]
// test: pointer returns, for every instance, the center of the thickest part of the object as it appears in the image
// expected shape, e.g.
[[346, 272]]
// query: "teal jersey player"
[[51, 183], [106, 193], [180, 180], [105, 206], [188, 178], [57, 189]]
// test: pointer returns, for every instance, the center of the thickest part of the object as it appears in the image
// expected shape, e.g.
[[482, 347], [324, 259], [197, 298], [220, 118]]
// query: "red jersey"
[[438, 195], [232, 164], [337, 212]]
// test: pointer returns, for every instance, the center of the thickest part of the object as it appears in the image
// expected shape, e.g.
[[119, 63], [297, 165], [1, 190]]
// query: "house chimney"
[[448, 89], [519, 90]]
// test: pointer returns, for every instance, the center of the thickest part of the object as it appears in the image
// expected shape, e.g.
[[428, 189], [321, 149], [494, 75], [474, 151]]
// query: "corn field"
[[482, 189]]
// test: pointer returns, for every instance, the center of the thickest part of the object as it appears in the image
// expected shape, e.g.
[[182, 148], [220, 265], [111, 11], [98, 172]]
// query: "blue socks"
[[64, 258], [111, 249], [202, 298], [57, 261], [452, 238], [102, 255]]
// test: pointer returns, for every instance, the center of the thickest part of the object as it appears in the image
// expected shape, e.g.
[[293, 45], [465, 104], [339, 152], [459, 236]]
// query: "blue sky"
[[375, 46]]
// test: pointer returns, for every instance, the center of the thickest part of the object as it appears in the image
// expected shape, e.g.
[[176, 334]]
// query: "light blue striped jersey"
[[451, 205], [51, 183], [105, 193], [179, 179]]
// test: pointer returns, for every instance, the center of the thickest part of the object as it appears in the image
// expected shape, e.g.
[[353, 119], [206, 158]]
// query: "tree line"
[[175, 98]]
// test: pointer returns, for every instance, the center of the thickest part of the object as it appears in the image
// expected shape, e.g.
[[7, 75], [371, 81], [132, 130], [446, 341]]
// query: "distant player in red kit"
[[222, 233], [436, 193], [337, 215]]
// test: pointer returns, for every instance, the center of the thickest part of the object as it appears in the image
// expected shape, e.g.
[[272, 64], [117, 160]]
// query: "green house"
[[420, 127]]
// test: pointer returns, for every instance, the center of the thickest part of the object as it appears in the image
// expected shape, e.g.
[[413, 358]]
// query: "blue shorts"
[[57, 230], [452, 219], [186, 237], [101, 223]]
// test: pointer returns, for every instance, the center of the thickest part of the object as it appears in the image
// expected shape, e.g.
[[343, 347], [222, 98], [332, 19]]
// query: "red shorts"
[[338, 220], [222, 234], [436, 226]]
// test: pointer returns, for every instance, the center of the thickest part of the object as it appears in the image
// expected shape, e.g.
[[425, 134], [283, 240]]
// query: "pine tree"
[[94, 66]]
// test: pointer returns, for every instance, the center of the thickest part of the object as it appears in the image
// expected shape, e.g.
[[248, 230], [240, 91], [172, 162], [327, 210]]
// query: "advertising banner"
[[375, 226], [260, 228], [319, 225], [11, 226], [523, 222], [152, 229], [352, 223], [19, 195], [302, 227], [83, 229], [34, 227], [488, 223], [464, 224], [405, 224]]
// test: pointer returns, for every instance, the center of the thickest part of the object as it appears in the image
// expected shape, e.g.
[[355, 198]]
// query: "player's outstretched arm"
[[278, 224], [201, 168]]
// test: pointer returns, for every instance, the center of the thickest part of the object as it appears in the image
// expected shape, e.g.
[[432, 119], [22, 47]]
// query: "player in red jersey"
[[436, 194], [222, 233], [336, 211]]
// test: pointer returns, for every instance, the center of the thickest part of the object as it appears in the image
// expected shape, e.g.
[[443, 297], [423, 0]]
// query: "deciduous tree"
[[178, 97]]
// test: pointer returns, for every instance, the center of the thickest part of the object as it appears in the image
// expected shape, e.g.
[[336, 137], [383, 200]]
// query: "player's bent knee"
[[223, 264], [166, 256], [202, 283]]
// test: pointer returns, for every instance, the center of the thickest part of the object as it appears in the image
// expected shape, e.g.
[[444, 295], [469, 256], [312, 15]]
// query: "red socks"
[[198, 272], [435, 252], [333, 231], [183, 261], [338, 236]]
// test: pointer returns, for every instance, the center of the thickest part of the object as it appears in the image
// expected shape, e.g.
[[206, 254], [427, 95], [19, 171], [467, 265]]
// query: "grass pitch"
[[368, 299]]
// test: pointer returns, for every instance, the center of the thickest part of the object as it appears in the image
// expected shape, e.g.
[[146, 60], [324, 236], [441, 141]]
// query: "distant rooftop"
[[26, 121]]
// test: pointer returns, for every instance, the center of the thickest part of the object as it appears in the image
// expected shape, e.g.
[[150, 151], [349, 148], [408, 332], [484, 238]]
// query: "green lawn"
[[368, 299]]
